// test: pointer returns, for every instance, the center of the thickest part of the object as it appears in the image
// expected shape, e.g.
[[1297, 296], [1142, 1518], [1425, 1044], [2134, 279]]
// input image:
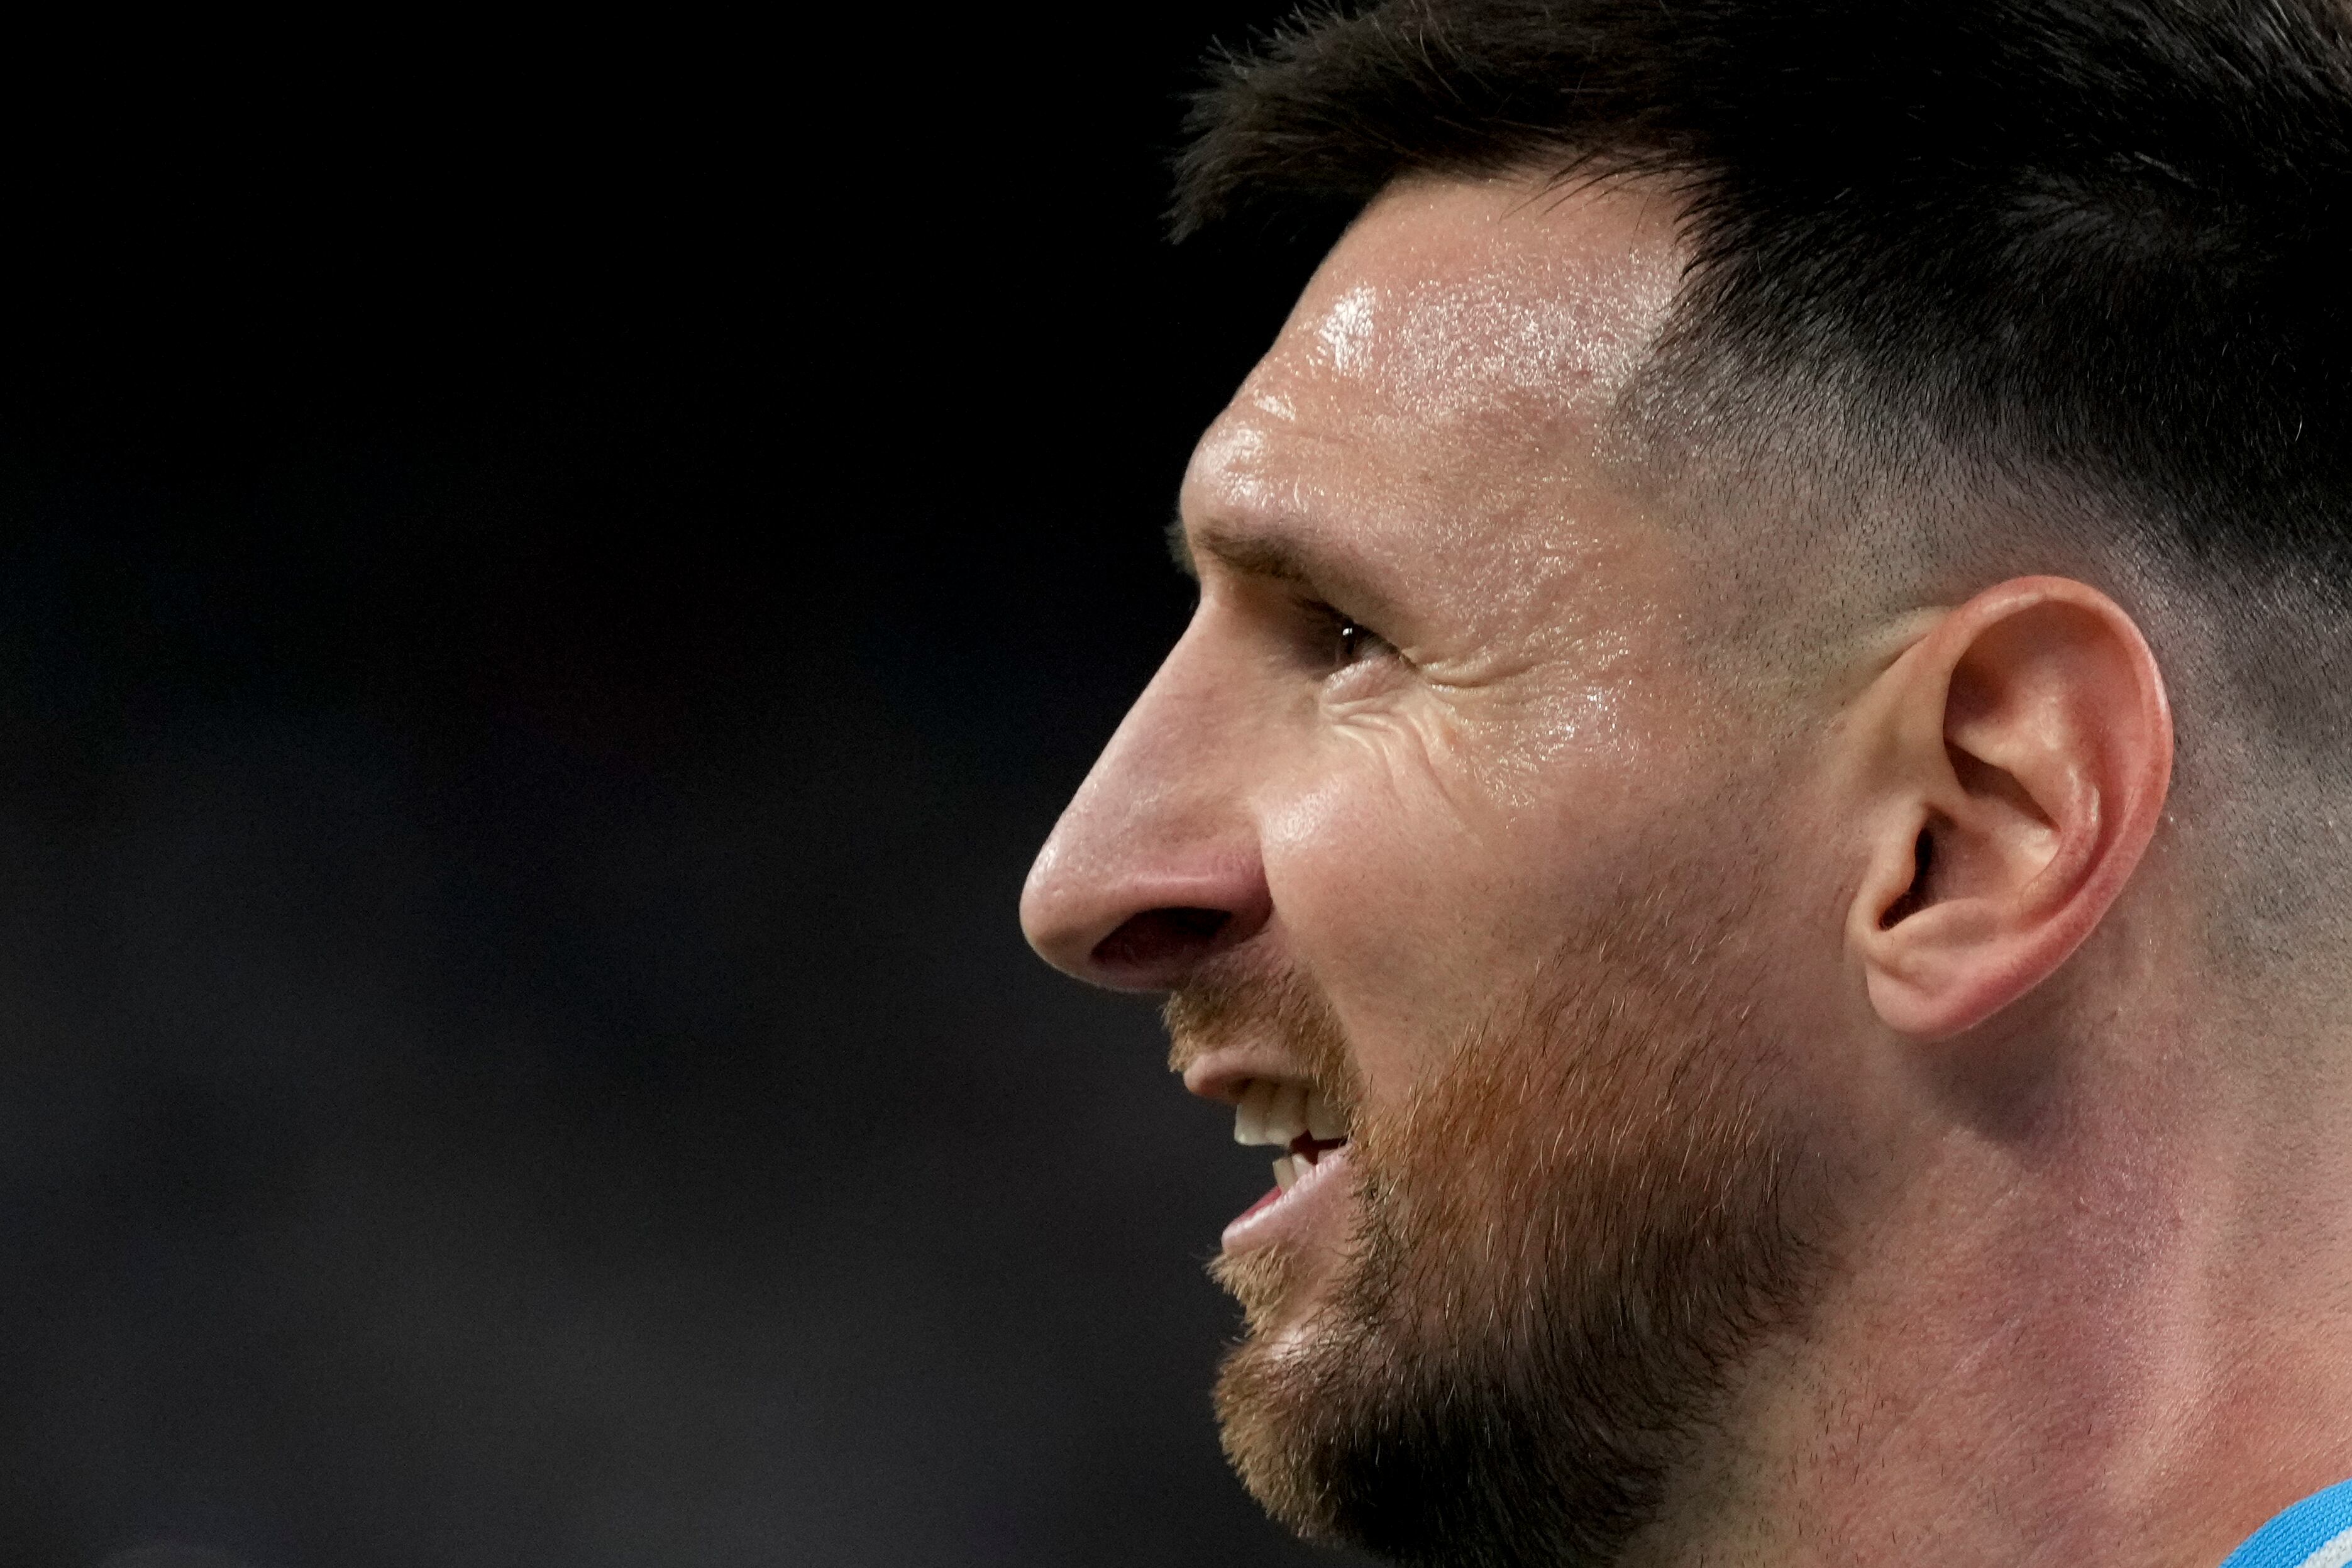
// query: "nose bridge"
[[1160, 825]]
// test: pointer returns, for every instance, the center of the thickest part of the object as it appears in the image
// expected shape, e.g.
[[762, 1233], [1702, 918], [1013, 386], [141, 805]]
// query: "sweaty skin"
[[1399, 449], [1447, 673]]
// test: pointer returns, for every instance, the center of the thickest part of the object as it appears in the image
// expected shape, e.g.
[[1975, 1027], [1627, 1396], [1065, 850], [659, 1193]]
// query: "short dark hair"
[[2104, 241]]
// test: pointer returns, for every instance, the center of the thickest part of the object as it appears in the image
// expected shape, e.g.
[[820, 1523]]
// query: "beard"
[[1567, 1239]]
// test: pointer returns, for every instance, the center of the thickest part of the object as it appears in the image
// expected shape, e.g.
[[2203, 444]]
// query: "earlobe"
[[2012, 768]]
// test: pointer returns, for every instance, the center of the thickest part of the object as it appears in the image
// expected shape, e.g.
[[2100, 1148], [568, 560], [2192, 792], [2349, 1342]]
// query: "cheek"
[[1424, 878], [1400, 890]]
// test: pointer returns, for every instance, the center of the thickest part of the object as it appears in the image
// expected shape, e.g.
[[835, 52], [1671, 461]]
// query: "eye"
[[1352, 641], [1329, 640]]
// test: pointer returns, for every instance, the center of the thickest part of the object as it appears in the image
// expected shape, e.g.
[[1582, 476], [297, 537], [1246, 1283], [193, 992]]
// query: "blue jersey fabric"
[[2314, 1533]]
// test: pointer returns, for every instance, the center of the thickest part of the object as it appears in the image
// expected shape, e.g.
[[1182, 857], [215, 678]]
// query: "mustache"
[[1221, 1009]]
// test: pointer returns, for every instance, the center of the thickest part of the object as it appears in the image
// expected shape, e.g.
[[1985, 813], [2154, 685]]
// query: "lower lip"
[[1290, 1216]]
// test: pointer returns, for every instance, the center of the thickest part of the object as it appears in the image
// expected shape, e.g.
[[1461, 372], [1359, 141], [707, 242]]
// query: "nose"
[[1154, 865]]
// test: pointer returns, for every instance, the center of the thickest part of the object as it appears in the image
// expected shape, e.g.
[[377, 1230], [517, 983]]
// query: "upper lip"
[[1223, 1075], [1312, 1114]]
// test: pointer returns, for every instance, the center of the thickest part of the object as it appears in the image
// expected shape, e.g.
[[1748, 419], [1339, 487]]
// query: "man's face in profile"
[[1451, 848]]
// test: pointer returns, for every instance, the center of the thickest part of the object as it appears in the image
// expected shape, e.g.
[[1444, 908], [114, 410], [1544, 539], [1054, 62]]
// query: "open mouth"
[[1297, 1117]]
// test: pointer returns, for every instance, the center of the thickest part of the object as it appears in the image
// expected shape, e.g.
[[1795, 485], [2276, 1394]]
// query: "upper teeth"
[[1279, 1113]]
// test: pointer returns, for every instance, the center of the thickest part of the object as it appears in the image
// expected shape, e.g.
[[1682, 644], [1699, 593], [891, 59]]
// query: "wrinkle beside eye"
[[1420, 753]]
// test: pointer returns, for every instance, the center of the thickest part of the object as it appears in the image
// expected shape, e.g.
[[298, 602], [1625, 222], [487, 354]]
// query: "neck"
[[2104, 1328]]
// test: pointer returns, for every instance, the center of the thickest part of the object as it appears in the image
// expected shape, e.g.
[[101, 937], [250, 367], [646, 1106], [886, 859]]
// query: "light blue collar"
[[2314, 1533]]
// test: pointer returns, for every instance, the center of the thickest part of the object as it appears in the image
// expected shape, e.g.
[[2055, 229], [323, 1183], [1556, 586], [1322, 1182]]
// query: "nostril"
[[1160, 940]]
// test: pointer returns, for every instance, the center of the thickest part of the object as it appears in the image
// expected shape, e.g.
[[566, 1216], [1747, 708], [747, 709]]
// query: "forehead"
[[1461, 334], [1448, 293]]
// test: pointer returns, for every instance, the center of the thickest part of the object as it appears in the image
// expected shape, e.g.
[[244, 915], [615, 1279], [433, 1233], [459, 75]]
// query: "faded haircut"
[[2079, 273]]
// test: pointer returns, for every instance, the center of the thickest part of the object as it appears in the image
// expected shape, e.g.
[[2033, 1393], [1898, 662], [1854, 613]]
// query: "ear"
[[2013, 763]]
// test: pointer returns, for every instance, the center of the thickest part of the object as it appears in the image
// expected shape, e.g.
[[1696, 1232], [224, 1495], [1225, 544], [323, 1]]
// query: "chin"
[[1558, 1257]]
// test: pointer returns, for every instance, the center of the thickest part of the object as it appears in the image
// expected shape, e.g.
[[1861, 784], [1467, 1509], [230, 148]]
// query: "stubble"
[[1568, 1237]]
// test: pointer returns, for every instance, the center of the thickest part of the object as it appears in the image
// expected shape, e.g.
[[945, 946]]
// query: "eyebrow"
[[1273, 558], [1180, 549], [1249, 555]]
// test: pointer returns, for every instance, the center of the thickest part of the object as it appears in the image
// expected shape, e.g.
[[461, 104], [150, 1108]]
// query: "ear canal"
[[1915, 897]]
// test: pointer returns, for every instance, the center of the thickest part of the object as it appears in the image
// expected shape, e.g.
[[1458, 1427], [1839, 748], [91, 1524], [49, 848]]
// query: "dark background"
[[549, 591]]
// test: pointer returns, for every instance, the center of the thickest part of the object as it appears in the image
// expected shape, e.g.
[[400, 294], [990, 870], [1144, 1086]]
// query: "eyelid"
[[1324, 610]]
